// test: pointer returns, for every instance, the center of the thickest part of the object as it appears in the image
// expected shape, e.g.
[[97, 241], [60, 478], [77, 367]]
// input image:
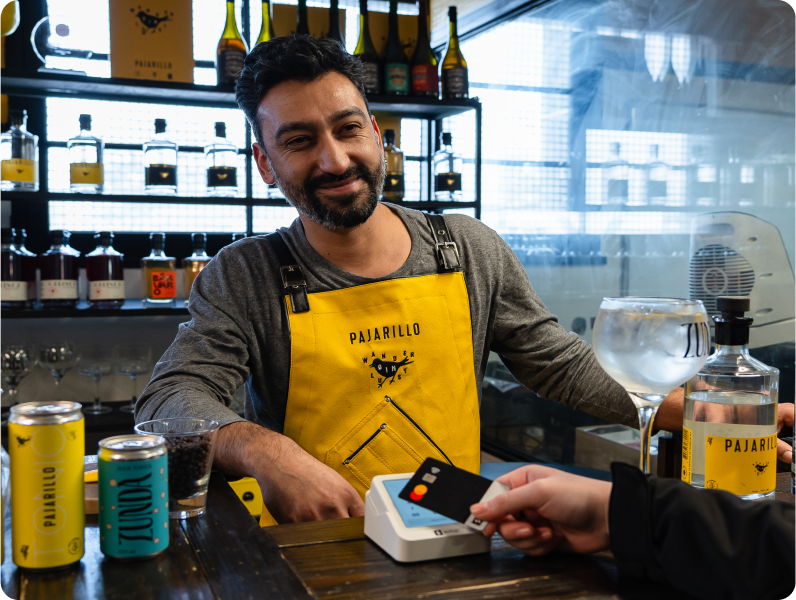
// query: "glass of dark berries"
[[190, 444]]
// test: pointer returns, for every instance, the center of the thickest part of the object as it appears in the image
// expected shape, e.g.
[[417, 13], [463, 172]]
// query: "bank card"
[[450, 491]]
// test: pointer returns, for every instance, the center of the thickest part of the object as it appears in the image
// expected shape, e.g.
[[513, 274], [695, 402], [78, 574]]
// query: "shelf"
[[46, 85], [131, 308]]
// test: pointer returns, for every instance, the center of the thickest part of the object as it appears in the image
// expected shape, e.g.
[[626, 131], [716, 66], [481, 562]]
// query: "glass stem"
[[135, 389], [97, 392], [646, 415]]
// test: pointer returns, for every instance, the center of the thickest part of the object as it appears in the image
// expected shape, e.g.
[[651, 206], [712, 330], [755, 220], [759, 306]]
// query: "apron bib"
[[382, 374]]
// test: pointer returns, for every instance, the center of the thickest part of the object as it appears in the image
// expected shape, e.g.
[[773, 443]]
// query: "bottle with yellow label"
[[730, 413], [86, 173], [19, 156]]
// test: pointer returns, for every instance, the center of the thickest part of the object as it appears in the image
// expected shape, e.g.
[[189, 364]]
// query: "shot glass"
[[190, 444]]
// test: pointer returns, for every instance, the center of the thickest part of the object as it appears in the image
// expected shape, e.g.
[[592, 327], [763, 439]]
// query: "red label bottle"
[[14, 293], [60, 270], [105, 273]]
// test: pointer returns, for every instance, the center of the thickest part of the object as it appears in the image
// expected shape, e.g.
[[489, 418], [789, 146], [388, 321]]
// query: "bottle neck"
[[453, 40], [732, 349], [230, 27], [303, 27], [265, 28], [157, 252]]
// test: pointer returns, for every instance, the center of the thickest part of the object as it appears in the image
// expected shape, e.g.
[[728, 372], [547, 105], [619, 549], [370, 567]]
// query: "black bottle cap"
[[157, 240], [7, 235], [199, 241], [363, 7], [160, 125], [732, 327], [447, 138], [389, 136], [59, 237], [104, 238], [17, 116], [221, 129], [452, 13], [238, 236], [85, 122]]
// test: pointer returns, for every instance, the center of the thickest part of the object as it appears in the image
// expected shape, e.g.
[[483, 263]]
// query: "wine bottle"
[[334, 23], [453, 70], [105, 273], [267, 27], [425, 81], [366, 51], [394, 179], [231, 50], [302, 25], [60, 270], [395, 66]]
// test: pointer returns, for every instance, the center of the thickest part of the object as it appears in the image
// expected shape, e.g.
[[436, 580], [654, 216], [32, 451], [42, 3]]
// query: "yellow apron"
[[382, 374]]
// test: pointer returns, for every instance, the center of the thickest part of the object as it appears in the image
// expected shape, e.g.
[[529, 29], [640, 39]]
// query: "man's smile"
[[348, 185]]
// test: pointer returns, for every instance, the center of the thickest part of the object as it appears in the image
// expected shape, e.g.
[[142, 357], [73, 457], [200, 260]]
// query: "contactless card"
[[450, 491]]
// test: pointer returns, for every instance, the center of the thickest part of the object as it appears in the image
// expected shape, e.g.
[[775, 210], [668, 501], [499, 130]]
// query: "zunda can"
[[46, 444], [133, 496]]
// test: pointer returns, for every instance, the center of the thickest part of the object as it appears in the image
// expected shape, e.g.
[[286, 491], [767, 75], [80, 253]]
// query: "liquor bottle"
[[395, 66], [730, 413], [267, 27], [366, 52], [85, 160], [221, 159], [19, 156], [13, 288], [195, 262], [702, 182], [28, 265], [159, 274], [656, 174], [425, 81], [335, 32], [394, 179], [453, 70], [160, 162], [60, 270], [105, 273], [302, 24], [615, 174], [447, 171], [231, 50]]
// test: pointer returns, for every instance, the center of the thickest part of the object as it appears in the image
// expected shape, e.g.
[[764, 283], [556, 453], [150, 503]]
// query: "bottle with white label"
[[60, 270], [86, 173], [730, 413], [14, 289], [105, 273]]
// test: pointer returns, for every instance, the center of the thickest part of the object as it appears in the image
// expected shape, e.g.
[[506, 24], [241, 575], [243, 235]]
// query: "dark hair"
[[291, 58]]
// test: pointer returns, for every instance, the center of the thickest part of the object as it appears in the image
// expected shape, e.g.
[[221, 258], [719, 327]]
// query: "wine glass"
[[17, 362], [96, 362], [650, 346], [134, 360], [58, 357]]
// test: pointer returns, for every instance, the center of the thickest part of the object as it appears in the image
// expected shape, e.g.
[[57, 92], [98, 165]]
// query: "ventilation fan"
[[736, 254]]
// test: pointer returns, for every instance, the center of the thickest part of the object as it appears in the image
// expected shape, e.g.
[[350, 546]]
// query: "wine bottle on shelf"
[[60, 270], [19, 156], [86, 174], [447, 171], [28, 265], [105, 273], [366, 51], [160, 162], [13, 288], [302, 24], [221, 159], [394, 178], [231, 50], [335, 33], [159, 274], [423, 69], [267, 27], [395, 66], [192, 265], [453, 70]]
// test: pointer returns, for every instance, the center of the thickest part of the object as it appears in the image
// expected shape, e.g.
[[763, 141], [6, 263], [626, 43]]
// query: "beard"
[[343, 212]]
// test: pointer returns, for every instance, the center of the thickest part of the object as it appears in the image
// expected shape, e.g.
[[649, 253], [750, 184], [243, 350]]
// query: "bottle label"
[[396, 77], [688, 438], [394, 182], [14, 291], [656, 189], [18, 169], [222, 177], [371, 79], [86, 173], [58, 289], [448, 182], [617, 188], [106, 290], [162, 284], [229, 65], [160, 175], [425, 79], [741, 465], [455, 83]]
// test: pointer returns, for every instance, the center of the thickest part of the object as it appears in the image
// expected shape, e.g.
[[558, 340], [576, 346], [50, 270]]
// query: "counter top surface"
[[225, 554]]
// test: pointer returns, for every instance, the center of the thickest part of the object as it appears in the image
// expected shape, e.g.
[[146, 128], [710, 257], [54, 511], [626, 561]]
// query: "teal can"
[[133, 496]]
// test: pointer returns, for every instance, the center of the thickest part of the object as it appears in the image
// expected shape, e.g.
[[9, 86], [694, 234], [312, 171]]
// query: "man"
[[362, 332]]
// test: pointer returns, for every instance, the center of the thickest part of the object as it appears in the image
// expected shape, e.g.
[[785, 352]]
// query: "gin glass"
[[17, 362], [58, 357], [650, 346], [96, 362], [134, 360]]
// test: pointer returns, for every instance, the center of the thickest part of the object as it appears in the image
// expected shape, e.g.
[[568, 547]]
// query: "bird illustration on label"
[[387, 369]]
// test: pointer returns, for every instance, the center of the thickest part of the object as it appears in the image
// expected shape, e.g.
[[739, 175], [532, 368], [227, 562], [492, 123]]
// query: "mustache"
[[314, 183]]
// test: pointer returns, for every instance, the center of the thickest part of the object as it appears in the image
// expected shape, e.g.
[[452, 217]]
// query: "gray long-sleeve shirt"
[[239, 330]]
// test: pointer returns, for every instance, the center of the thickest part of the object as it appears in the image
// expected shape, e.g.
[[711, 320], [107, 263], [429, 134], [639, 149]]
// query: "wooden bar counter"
[[224, 554]]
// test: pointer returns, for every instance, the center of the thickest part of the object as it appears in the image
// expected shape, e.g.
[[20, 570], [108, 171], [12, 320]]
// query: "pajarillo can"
[[46, 444], [133, 496]]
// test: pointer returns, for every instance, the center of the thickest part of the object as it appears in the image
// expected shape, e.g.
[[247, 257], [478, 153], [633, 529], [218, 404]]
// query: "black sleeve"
[[708, 543]]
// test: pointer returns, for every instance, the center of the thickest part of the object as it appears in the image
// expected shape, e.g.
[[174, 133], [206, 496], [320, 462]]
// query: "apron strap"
[[292, 275], [446, 249]]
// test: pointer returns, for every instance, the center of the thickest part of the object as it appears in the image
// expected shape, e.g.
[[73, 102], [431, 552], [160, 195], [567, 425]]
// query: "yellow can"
[[46, 441]]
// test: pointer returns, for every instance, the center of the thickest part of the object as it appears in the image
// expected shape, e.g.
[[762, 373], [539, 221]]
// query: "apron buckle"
[[448, 255], [292, 276]]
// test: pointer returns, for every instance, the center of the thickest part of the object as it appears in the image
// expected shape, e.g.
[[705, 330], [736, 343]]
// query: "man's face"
[[322, 149]]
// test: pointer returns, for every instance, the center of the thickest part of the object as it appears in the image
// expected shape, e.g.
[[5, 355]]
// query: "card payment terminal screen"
[[412, 514]]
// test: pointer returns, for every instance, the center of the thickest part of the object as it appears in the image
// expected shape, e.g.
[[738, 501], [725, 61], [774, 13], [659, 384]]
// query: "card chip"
[[429, 478]]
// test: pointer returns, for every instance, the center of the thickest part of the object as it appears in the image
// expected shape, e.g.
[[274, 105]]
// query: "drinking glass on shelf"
[[58, 357], [96, 362], [17, 362], [650, 346], [134, 360]]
